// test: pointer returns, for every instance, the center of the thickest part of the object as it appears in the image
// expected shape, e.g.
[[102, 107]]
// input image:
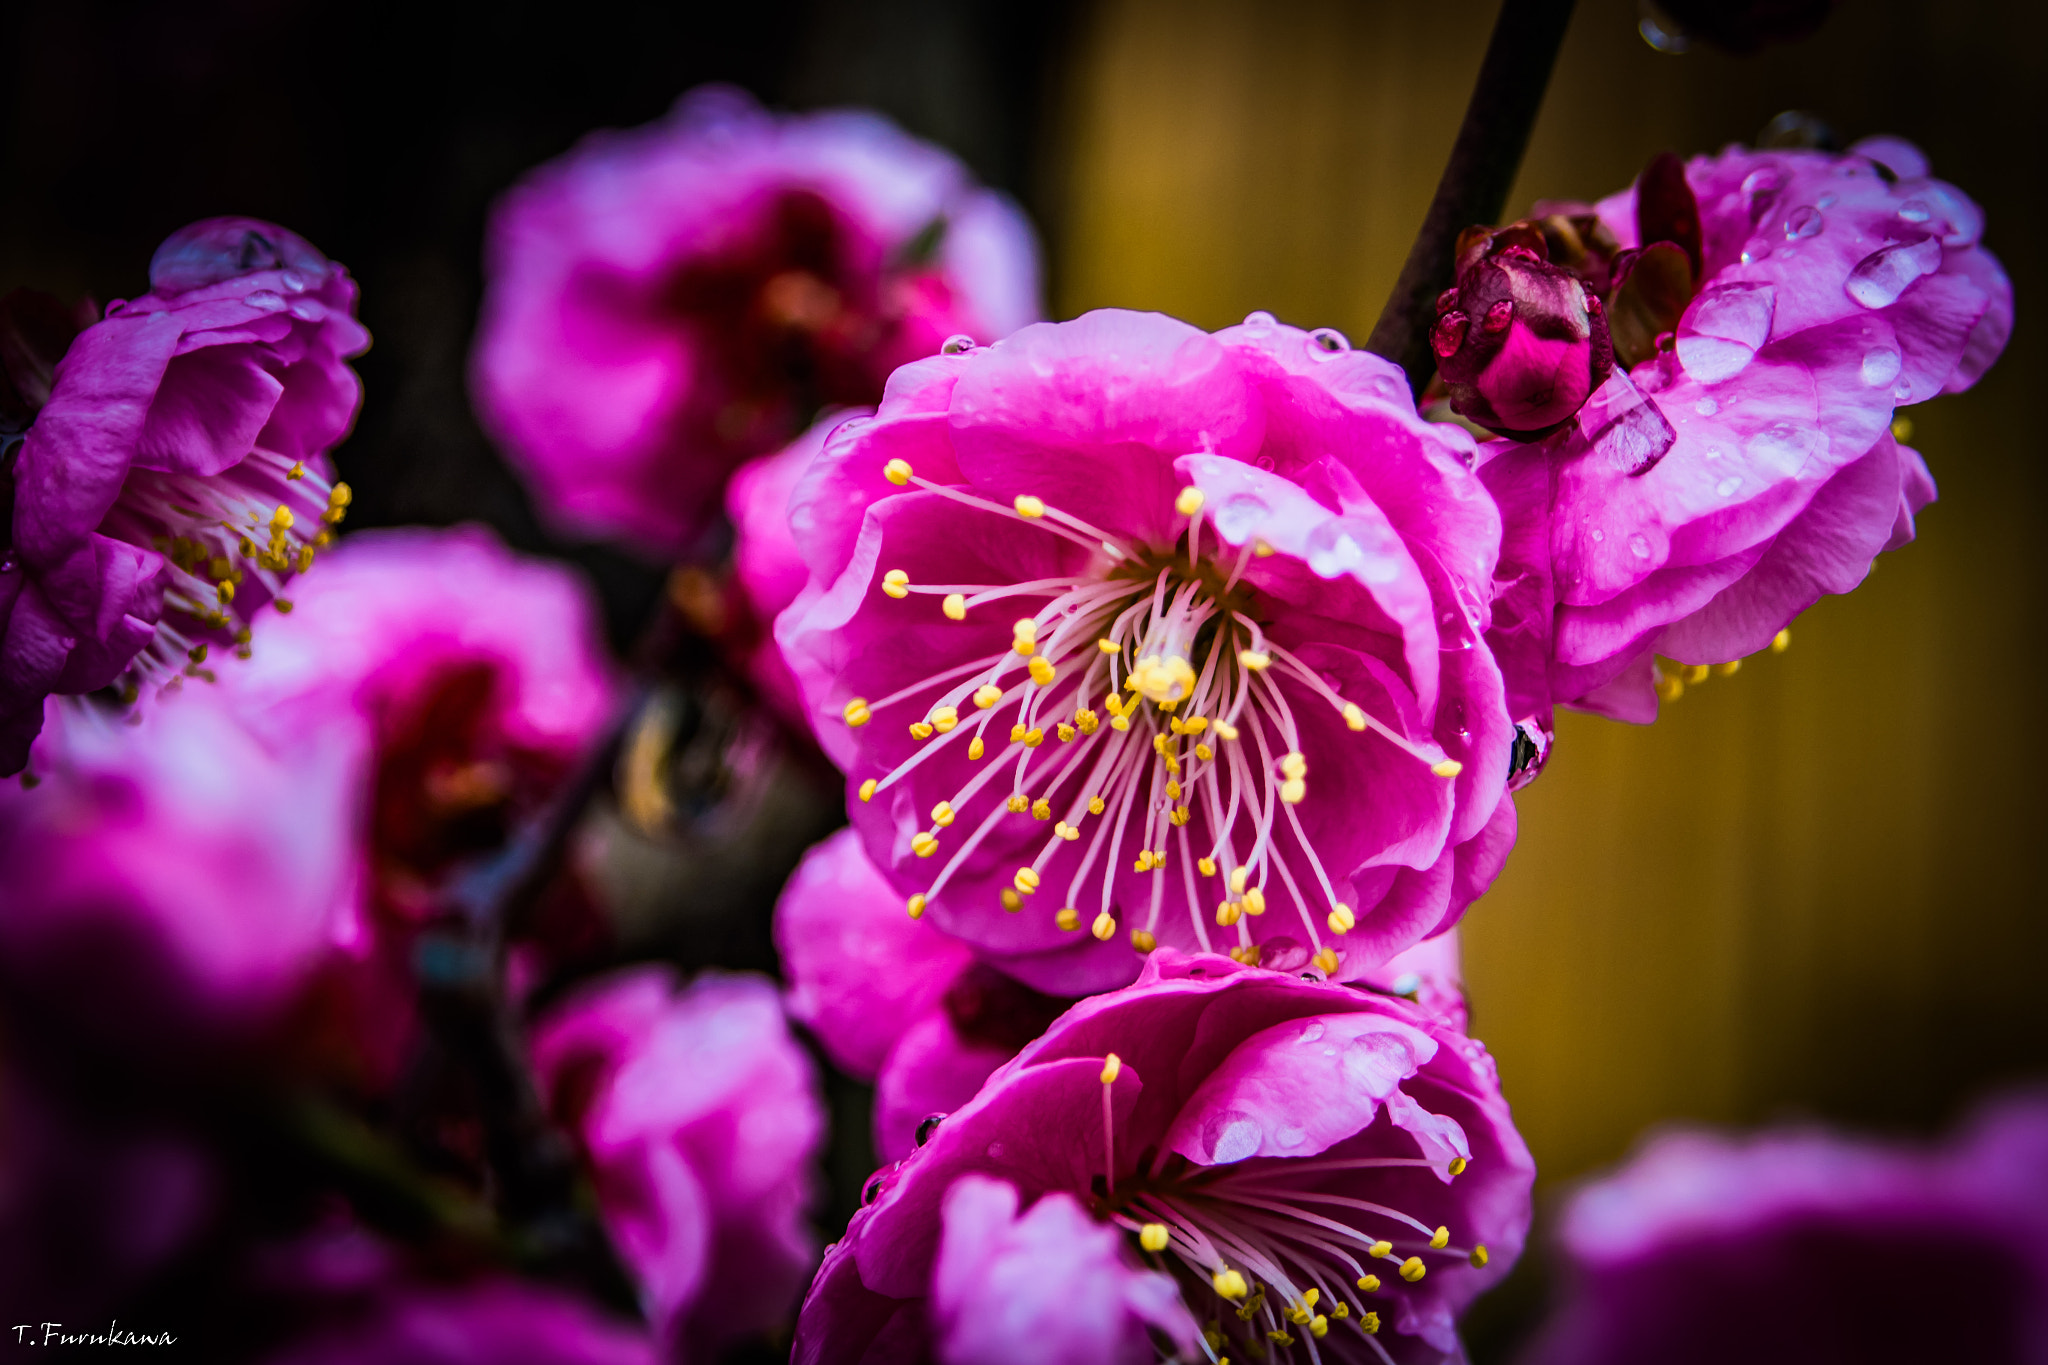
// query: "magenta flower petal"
[[1190, 588], [503, 1321]]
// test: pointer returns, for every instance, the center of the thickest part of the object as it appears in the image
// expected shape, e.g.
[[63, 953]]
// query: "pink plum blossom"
[[1325, 1173], [1793, 1246], [173, 477], [699, 1119], [1126, 634], [666, 303], [1745, 467]]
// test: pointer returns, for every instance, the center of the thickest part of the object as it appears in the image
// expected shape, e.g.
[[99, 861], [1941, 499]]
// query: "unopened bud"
[[1521, 342]]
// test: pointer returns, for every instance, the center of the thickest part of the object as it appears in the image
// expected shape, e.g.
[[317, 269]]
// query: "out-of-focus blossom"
[[1744, 27], [172, 476], [1745, 466], [1312, 1164], [1128, 634], [666, 303], [488, 1322], [1431, 974], [1521, 342], [1791, 1246], [699, 1119]]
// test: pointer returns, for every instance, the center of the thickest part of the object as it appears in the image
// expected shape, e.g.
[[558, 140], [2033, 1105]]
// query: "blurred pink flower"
[[666, 303], [1165, 636], [700, 1120], [173, 476], [1302, 1158], [1794, 1242], [487, 1322], [1745, 468]]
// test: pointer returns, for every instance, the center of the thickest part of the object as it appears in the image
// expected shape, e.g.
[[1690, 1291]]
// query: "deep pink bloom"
[[1302, 1157], [173, 478], [1710, 494], [669, 302], [1117, 626], [699, 1118], [500, 1321], [1792, 1247]]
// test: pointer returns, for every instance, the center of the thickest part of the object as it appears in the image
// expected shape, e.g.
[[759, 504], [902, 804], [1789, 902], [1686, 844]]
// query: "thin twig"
[[1477, 178]]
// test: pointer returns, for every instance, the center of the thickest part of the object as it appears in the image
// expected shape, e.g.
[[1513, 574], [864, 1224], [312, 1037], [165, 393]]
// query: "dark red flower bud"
[[1541, 347]]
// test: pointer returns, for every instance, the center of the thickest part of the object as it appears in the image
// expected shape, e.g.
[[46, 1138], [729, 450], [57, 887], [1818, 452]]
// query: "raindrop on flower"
[[1915, 211], [1883, 275], [1723, 330], [1325, 342], [1259, 322], [1639, 545], [1880, 366], [264, 299], [1804, 221], [1706, 407], [1726, 488], [956, 344]]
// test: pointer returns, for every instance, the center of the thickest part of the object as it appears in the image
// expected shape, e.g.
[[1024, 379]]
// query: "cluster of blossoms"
[[1179, 683]]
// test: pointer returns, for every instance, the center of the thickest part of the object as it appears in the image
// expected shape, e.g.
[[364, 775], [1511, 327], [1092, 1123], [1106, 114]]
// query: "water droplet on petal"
[[264, 299], [1804, 221], [293, 281], [1312, 1033], [1880, 366], [1626, 426], [1706, 407], [1232, 1136], [1826, 201], [1751, 255], [1726, 488], [1915, 211], [1724, 328], [1784, 448], [956, 344], [1883, 275], [1599, 534], [1639, 545], [1325, 342], [1904, 392], [1759, 188], [1260, 322]]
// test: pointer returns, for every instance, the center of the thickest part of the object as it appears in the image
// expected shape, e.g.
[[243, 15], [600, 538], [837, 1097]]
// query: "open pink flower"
[[668, 302], [1745, 466], [1325, 1173], [699, 1118], [173, 477], [1123, 631], [1791, 1246]]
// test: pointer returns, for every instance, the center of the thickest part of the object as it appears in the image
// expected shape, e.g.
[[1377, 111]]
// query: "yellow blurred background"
[[1812, 888]]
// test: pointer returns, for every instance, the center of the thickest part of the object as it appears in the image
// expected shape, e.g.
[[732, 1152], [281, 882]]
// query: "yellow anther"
[[1353, 716], [197, 654], [1042, 671], [916, 906], [305, 560], [1114, 704], [856, 712], [1119, 723], [1161, 744], [897, 472], [1238, 876], [1028, 506], [1206, 866], [1247, 955], [1143, 862], [1299, 1316], [1450, 767], [955, 606], [225, 591], [1112, 1067], [1179, 815], [1189, 502], [975, 748], [924, 843], [1293, 790], [242, 636], [1369, 1323], [1293, 765], [1108, 646], [1369, 1283], [1457, 1166], [218, 568], [1254, 901], [1024, 635], [1697, 673], [1229, 913], [1065, 731], [942, 814], [867, 789], [1095, 806], [281, 519], [283, 605], [1229, 1283], [1162, 678], [1173, 789], [1041, 809], [896, 583], [1340, 1309], [248, 548], [1327, 960], [1261, 549], [1012, 902], [1086, 721], [1413, 1269], [1670, 686], [1440, 1239], [1068, 919], [1033, 738], [1026, 880], [341, 495], [296, 472], [1342, 921], [1204, 752], [1225, 730], [1723, 670], [1153, 1237], [1319, 1326], [1018, 803], [987, 695], [1066, 831], [944, 719], [1478, 1258], [1782, 641], [922, 729], [1143, 941], [1380, 1250], [1104, 927], [1017, 733], [1280, 1337], [1253, 659]]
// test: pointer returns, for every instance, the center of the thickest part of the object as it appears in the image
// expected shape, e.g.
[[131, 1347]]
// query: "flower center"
[[1198, 769]]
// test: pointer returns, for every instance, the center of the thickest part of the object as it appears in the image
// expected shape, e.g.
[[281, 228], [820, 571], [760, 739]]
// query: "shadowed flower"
[[666, 303], [1743, 465], [699, 1119], [1790, 1246], [1127, 635], [172, 478], [1325, 1174], [502, 1321]]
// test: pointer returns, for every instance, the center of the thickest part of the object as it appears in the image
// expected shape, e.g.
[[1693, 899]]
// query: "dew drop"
[[1713, 452], [1232, 1136], [1407, 983], [1325, 342], [1260, 322], [1726, 488], [266, 300], [293, 281], [928, 1126], [1880, 366], [1904, 392], [1751, 255], [1883, 275], [1639, 545], [956, 344], [1723, 329], [1826, 201], [1598, 534], [1915, 211], [1313, 1032], [1803, 222], [1785, 447], [1706, 407]]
